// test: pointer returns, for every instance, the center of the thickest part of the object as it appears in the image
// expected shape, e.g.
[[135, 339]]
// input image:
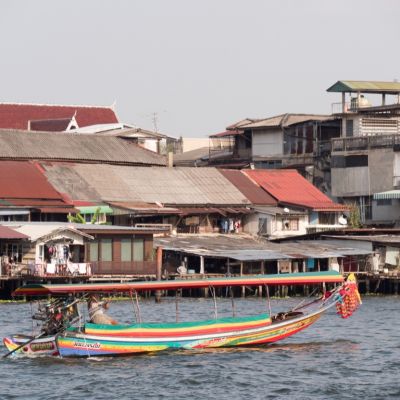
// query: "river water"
[[333, 359]]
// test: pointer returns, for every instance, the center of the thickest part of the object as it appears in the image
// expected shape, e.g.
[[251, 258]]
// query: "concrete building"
[[366, 159]]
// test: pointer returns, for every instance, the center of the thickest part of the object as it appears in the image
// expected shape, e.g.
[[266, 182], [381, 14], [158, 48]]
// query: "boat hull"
[[45, 346], [95, 345]]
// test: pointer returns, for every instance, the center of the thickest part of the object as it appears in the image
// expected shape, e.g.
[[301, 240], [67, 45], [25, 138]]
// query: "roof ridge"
[[56, 105]]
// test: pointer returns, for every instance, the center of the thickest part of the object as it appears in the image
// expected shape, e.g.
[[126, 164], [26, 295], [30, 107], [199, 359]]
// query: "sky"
[[191, 68]]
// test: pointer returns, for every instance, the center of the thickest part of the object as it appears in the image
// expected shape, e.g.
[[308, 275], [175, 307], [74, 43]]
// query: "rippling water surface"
[[333, 359]]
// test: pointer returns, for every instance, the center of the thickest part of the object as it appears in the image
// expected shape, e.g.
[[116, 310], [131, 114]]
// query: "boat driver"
[[96, 312]]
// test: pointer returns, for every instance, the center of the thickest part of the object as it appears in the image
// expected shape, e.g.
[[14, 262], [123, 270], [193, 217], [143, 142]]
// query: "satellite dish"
[[342, 220], [286, 210]]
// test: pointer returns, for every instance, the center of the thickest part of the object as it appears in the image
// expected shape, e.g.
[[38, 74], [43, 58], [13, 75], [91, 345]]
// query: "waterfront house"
[[305, 208], [67, 249]]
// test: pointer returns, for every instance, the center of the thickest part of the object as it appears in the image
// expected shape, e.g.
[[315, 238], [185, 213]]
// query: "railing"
[[165, 227], [46, 270], [350, 106], [365, 142]]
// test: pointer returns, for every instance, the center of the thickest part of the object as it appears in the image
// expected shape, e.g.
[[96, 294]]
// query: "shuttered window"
[[126, 250], [106, 250], [138, 249], [94, 251]]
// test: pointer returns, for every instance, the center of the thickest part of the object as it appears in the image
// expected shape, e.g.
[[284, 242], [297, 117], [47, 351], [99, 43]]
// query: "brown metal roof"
[[254, 193], [8, 233], [24, 180], [24, 145]]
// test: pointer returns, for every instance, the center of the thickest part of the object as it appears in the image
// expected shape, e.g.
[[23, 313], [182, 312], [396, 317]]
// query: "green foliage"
[[355, 218], [77, 218], [95, 215]]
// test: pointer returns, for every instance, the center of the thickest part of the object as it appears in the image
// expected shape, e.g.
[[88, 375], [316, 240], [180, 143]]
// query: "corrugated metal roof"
[[17, 115], [284, 120], [289, 187], [24, 145], [40, 229], [253, 192], [168, 186], [365, 87], [245, 248]]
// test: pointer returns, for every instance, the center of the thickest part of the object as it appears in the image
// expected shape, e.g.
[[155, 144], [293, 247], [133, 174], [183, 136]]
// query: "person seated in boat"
[[96, 312]]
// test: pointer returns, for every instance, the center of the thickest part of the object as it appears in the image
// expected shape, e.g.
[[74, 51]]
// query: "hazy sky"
[[200, 65]]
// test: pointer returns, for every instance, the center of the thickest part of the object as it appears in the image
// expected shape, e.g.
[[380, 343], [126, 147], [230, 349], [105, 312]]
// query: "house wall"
[[386, 212], [267, 143], [275, 224], [367, 125], [251, 223], [365, 180]]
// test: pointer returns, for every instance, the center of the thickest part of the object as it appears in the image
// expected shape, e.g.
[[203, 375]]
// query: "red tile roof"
[[251, 190], [23, 180], [289, 187], [8, 233], [17, 116]]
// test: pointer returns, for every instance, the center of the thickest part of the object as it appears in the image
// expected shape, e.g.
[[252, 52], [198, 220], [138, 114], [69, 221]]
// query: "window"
[[126, 250], [138, 249], [290, 224], [262, 226], [349, 128], [326, 218], [94, 251], [106, 250], [384, 202]]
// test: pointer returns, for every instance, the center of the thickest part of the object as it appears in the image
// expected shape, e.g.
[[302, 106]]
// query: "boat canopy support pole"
[[158, 293], [268, 300], [212, 289], [136, 307], [178, 295], [232, 302]]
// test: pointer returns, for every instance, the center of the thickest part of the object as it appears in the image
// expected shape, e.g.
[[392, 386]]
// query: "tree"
[[355, 218]]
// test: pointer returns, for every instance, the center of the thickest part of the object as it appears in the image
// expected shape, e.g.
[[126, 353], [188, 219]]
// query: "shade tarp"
[[129, 287]]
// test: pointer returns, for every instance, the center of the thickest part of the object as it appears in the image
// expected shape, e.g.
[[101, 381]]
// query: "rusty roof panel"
[[24, 180], [8, 233], [251, 190]]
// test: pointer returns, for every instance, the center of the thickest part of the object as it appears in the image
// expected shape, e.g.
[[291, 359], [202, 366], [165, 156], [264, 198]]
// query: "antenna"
[[155, 121]]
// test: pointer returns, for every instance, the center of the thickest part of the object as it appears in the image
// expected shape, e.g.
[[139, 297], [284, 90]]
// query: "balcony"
[[365, 142]]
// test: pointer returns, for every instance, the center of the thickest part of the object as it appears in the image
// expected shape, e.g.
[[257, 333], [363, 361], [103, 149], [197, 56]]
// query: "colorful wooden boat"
[[116, 340]]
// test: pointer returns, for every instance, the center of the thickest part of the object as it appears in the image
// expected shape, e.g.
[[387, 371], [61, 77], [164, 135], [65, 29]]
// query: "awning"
[[93, 209], [11, 211], [390, 194]]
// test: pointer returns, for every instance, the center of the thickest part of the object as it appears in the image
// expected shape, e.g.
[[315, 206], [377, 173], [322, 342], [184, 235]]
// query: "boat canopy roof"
[[127, 287]]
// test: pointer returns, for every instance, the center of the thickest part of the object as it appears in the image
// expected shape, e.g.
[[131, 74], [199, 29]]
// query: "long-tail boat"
[[60, 336]]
